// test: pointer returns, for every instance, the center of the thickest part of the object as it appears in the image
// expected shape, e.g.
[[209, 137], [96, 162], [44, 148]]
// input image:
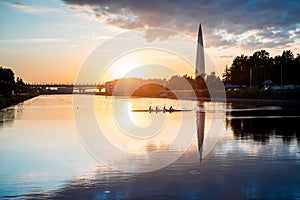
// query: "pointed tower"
[[200, 63]]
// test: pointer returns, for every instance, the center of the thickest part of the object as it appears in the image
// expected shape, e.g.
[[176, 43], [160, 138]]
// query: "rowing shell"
[[160, 111]]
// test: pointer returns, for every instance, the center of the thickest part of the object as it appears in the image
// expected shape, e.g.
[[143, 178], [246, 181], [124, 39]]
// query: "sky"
[[50, 41]]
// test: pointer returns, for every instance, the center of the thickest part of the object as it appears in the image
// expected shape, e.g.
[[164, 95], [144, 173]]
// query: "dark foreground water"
[[256, 156]]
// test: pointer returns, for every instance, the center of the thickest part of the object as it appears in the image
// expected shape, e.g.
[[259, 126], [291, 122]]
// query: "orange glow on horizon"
[[147, 64]]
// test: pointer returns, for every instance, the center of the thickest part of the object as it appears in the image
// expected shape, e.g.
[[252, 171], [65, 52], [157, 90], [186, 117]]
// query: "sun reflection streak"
[[130, 144], [139, 119]]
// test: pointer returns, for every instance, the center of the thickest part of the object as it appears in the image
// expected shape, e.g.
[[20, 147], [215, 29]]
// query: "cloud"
[[95, 37], [30, 8], [249, 24], [226, 56], [32, 41]]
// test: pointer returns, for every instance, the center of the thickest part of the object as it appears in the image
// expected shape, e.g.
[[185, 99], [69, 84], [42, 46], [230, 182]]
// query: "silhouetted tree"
[[20, 81], [283, 68], [20, 86], [181, 83], [7, 81], [239, 70], [213, 82], [290, 68], [200, 82]]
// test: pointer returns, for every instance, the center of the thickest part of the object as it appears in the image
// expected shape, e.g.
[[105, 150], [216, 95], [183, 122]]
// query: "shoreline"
[[6, 102], [228, 100], [248, 101], [206, 99]]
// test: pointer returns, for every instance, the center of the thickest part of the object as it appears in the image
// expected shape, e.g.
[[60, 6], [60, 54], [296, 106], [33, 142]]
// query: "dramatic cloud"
[[252, 23]]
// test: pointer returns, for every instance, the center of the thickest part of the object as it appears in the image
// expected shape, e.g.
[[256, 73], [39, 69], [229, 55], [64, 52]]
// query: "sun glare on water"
[[142, 120]]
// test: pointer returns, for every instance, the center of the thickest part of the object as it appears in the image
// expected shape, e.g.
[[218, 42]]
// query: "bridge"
[[67, 87]]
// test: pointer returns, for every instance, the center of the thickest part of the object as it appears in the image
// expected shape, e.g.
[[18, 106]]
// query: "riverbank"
[[263, 97], [15, 99], [270, 97]]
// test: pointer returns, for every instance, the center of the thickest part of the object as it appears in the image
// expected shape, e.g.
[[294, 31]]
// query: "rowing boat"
[[160, 110]]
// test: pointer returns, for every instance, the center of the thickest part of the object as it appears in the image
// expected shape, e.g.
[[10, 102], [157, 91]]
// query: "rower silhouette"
[[171, 109]]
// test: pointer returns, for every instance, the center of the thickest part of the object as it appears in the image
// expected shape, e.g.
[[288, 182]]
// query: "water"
[[44, 152]]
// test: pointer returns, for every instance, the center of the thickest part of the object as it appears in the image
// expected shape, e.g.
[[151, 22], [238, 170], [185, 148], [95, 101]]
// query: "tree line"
[[8, 84], [254, 70], [185, 82]]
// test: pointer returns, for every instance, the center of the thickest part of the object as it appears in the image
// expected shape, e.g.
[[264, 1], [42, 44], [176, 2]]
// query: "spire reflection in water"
[[200, 121]]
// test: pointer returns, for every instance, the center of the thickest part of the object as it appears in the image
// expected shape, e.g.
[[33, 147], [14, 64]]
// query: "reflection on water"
[[262, 129], [39, 148], [7, 116], [257, 156], [200, 121]]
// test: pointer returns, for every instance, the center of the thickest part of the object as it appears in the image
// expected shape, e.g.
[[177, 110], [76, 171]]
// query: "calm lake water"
[[49, 149]]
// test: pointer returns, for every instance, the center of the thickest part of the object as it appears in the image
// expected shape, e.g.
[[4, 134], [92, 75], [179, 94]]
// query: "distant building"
[[109, 86]]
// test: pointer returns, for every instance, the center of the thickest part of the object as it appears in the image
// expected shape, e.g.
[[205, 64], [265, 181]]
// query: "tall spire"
[[200, 63]]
